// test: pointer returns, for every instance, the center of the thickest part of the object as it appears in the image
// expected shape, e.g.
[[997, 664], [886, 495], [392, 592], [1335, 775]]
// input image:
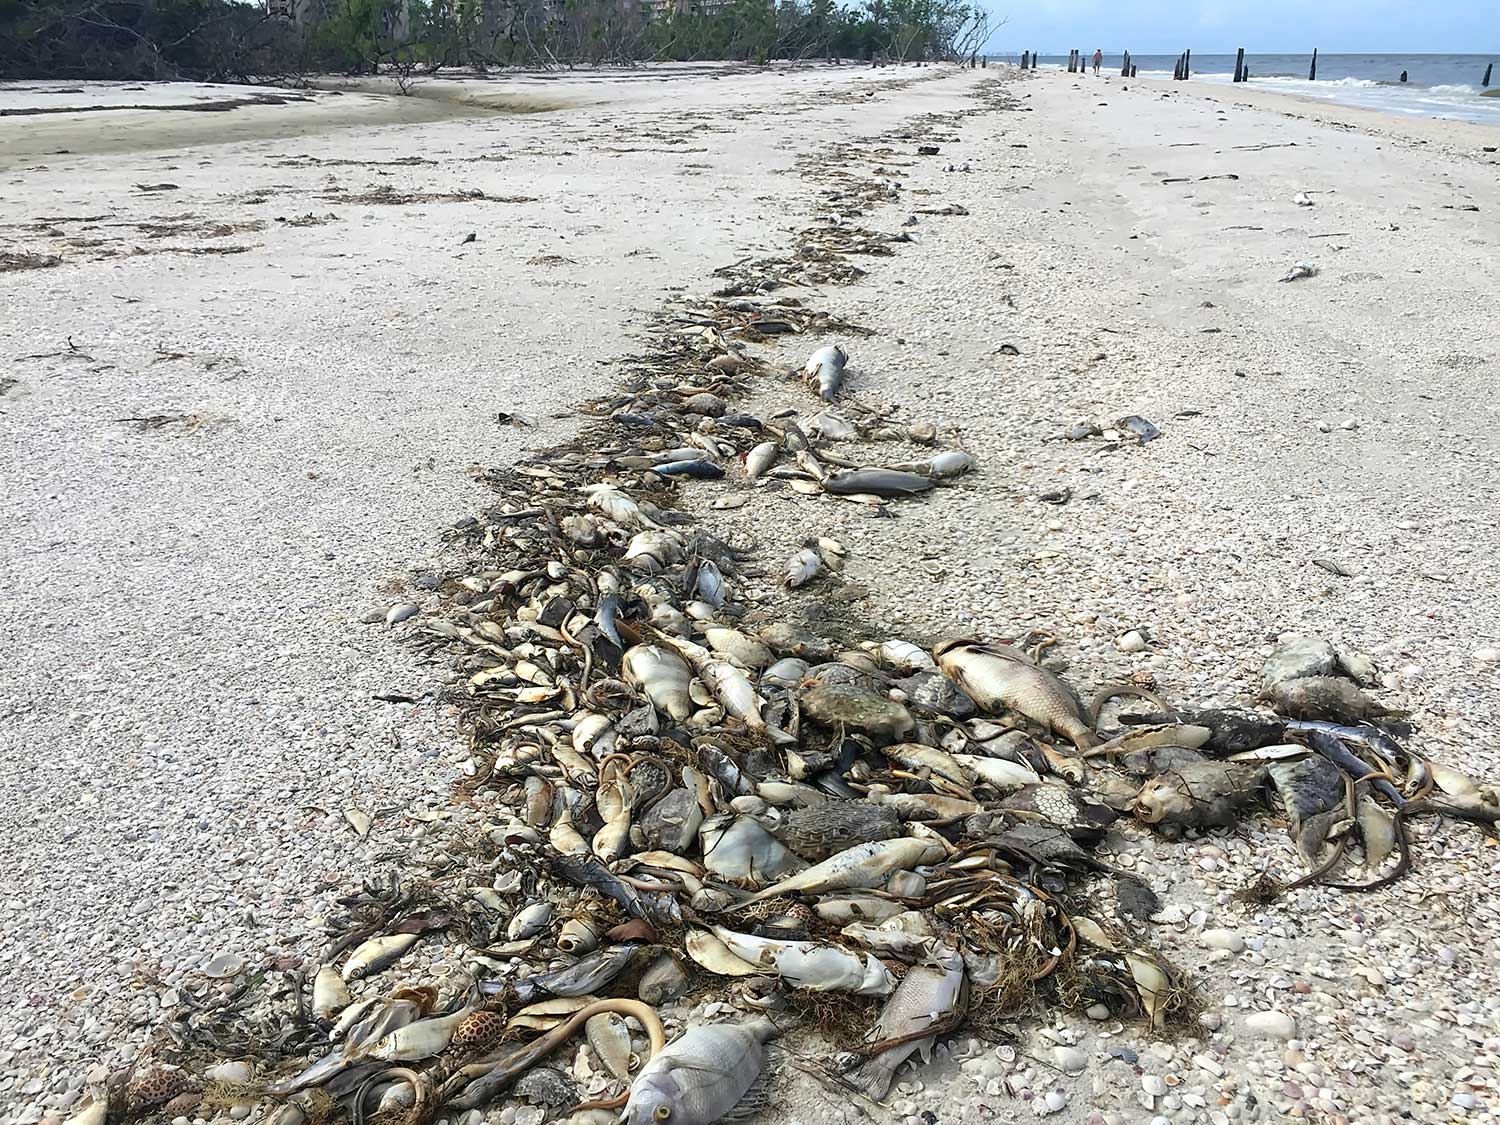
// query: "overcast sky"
[[1260, 26]]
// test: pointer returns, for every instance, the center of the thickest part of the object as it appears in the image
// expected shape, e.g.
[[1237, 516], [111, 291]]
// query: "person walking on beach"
[[1098, 59]]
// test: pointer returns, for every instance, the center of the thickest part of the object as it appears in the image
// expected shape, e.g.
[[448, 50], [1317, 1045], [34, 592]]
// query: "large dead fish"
[[703, 1077], [928, 1002], [998, 677]]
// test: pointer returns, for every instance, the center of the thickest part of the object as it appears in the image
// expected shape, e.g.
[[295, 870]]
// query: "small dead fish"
[[610, 1039], [420, 1040], [529, 921], [663, 676], [1330, 698], [1142, 429], [374, 955], [803, 567], [761, 458], [876, 482], [1207, 794], [700, 468], [330, 995], [824, 370], [815, 966], [702, 1077]]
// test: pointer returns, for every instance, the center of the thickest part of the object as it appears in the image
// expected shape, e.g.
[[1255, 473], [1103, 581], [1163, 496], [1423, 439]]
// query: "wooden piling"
[[1312, 71], [1125, 66], [1487, 70], [1187, 64], [1239, 65], [1132, 70]]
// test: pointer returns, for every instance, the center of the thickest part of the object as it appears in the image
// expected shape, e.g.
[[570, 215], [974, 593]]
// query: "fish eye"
[[662, 1112]]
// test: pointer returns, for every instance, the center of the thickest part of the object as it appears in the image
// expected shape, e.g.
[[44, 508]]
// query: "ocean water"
[[1436, 86]]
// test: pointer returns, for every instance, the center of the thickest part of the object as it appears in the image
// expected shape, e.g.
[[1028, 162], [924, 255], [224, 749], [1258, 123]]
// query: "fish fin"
[[753, 1101]]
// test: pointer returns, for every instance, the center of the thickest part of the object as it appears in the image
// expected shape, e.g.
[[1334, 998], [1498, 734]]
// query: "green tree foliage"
[[225, 40]]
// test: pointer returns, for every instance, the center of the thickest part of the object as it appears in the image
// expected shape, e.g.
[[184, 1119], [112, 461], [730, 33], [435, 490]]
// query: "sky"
[[1147, 27]]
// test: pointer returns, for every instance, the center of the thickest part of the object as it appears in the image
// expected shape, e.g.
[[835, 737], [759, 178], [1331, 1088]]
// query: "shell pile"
[[701, 791]]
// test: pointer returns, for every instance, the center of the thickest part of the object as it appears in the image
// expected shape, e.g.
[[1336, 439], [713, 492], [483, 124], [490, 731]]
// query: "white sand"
[[187, 691]]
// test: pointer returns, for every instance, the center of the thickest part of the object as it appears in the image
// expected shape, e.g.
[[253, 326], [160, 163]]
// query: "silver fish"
[[927, 997], [803, 567], [824, 370], [375, 954], [702, 1077], [759, 459]]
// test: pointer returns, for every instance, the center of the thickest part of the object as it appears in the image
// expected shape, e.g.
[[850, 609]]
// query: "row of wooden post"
[[1183, 68]]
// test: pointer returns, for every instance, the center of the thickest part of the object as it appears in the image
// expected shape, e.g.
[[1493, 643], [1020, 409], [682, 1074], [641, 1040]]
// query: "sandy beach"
[[255, 358]]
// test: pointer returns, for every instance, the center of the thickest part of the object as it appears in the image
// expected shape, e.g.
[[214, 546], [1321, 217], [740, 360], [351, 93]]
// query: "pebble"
[[234, 1072], [1069, 1060], [1097, 1011], [530, 1115], [1132, 642], [1272, 1024], [1053, 1102], [1487, 655], [1223, 939]]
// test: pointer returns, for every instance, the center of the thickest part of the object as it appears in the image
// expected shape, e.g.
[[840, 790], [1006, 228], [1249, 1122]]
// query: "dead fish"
[[803, 567], [930, 760], [663, 676], [815, 966], [901, 658], [529, 921], [618, 506], [738, 848], [824, 370], [761, 458], [934, 808], [830, 827], [1299, 271], [999, 772], [701, 1078], [999, 677], [946, 465], [928, 998], [1142, 429], [1326, 697], [330, 995], [697, 467], [1310, 791], [736, 646], [785, 639], [1230, 732], [864, 865], [585, 976], [374, 955], [672, 823], [857, 707], [1209, 794], [420, 1040], [607, 1034], [876, 482]]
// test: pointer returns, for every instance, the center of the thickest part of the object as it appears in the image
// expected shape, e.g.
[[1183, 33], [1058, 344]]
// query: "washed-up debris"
[[1299, 271], [1302, 199], [686, 786]]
